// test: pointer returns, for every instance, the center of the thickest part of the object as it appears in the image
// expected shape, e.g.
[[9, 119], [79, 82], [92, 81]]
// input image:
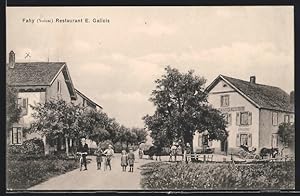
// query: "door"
[[224, 145], [274, 140]]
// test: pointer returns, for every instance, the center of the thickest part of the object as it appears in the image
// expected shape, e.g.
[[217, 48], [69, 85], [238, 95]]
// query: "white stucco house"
[[253, 112]]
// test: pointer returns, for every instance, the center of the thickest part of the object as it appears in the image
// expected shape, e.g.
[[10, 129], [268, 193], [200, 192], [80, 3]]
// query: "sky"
[[116, 63]]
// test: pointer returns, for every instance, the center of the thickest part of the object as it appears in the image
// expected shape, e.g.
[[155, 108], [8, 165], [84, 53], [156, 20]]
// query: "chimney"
[[11, 60], [252, 79], [292, 97]]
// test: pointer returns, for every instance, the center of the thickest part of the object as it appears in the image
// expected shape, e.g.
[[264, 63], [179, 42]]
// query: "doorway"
[[224, 146]]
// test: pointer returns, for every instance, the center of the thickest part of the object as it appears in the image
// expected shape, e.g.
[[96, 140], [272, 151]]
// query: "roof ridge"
[[252, 84]]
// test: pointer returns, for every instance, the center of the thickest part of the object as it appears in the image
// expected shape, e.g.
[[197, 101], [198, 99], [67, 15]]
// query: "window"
[[274, 118], [16, 135], [286, 118], [244, 139], [224, 100], [243, 118], [292, 118], [84, 103], [200, 141], [228, 118], [58, 87], [205, 140], [23, 103]]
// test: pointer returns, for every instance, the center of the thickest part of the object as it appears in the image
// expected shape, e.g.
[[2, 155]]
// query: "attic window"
[[224, 85], [58, 86]]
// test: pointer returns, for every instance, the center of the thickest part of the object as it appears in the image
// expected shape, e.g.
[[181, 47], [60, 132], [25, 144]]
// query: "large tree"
[[57, 118], [141, 134], [13, 111], [182, 108]]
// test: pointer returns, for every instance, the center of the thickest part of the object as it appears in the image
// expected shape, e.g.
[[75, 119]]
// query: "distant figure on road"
[[99, 159], [173, 152], [187, 151], [158, 152], [83, 148], [141, 153], [131, 159], [124, 160], [179, 152], [109, 153]]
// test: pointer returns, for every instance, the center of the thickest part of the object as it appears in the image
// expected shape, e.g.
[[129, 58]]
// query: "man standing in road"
[[83, 148]]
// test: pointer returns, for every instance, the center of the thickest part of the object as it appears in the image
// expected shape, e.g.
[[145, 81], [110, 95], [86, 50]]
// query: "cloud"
[[154, 29]]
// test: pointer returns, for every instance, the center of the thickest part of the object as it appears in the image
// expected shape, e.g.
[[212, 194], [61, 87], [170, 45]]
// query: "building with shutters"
[[39, 82], [253, 112]]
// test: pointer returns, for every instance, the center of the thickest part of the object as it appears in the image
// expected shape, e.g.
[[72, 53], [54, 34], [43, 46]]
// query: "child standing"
[[131, 159], [109, 154], [124, 160], [99, 157]]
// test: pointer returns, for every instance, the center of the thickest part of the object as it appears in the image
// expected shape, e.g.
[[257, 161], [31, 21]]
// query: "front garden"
[[218, 176], [26, 165]]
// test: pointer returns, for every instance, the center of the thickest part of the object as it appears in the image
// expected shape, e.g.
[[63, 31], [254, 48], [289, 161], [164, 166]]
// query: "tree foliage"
[[13, 111], [286, 133], [182, 108], [57, 118]]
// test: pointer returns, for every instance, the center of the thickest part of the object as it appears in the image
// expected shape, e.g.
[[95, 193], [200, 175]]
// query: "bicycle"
[[81, 158]]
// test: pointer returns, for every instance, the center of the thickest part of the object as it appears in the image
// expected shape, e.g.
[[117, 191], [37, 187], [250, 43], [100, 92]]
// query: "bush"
[[33, 146], [29, 170], [218, 176]]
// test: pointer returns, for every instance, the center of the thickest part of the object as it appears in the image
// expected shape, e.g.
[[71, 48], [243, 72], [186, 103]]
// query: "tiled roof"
[[33, 73], [88, 99], [267, 97]]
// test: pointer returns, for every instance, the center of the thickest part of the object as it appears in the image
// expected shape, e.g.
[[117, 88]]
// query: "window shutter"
[[237, 118], [250, 118], [238, 143], [26, 108], [221, 101], [229, 119], [249, 139], [20, 135], [11, 136]]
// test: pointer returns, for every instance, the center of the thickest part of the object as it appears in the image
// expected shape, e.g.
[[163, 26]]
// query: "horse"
[[269, 151]]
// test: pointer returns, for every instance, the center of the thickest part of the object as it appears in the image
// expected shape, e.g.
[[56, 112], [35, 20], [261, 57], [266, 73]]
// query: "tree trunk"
[[67, 146]]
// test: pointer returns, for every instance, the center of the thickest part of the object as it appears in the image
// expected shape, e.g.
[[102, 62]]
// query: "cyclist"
[[83, 149]]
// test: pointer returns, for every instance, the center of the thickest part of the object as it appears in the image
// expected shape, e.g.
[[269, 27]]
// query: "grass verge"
[[172, 176], [24, 171]]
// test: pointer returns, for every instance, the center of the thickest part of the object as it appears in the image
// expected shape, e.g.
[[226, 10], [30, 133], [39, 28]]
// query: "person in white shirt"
[[109, 154]]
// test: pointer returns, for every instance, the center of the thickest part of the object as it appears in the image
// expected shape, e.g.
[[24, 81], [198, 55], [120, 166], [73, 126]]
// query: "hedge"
[[24, 171]]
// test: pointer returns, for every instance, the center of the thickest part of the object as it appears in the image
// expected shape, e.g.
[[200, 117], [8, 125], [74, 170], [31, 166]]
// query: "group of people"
[[177, 151], [127, 159]]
